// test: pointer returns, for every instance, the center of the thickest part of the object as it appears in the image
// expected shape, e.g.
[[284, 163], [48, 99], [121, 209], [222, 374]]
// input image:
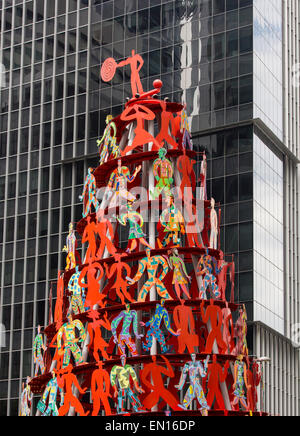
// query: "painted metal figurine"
[[76, 292], [196, 371], [26, 399], [163, 173], [51, 393], [117, 185], [180, 275], [124, 339], [155, 331], [89, 194], [152, 265], [108, 140], [67, 343], [38, 357], [173, 222], [240, 382], [208, 269], [120, 378], [70, 248]]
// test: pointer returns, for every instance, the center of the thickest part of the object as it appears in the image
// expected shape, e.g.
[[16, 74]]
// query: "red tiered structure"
[[200, 349]]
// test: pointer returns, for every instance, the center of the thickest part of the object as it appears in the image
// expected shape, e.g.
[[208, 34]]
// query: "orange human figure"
[[100, 388], [184, 320], [167, 120], [121, 284], [213, 314], [228, 329], [58, 313], [139, 113], [157, 387], [216, 375], [185, 166], [89, 236], [254, 379], [192, 225], [97, 343], [136, 63], [93, 273], [105, 229], [69, 380]]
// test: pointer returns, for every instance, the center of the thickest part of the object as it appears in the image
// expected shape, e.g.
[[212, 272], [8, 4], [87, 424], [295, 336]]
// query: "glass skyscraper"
[[232, 63]]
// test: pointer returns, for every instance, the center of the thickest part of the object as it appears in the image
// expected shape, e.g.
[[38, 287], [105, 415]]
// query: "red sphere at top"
[[157, 84]]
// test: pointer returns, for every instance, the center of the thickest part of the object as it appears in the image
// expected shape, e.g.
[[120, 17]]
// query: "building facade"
[[233, 63]]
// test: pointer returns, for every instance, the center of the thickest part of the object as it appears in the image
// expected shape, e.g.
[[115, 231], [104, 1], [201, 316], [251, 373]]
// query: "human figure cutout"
[[139, 113], [254, 379], [38, 347], [97, 343], [203, 179], [136, 63], [108, 140], [185, 166], [163, 173], [93, 274], [89, 236], [58, 312], [67, 342], [89, 196], [51, 391], [214, 226], [172, 221], [184, 320], [216, 375], [185, 130], [152, 264], [76, 293], [208, 269], [213, 314], [166, 127], [70, 249], [121, 284], [240, 333], [155, 372], [196, 371], [121, 377], [192, 225], [240, 382], [155, 331], [136, 222], [228, 329], [180, 275], [100, 389], [129, 317], [26, 399], [105, 231], [69, 380]]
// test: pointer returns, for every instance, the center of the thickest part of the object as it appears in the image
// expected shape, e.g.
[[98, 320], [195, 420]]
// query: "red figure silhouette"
[[213, 314], [93, 274], [184, 321], [100, 394], [69, 380], [254, 379], [58, 313], [89, 235], [139, 113], [216, 375], [105, 229], [158, 389], [121, 284], [192, 225], [228, 329], [166, 126], [186, 167], [136, 63], [97, 343]]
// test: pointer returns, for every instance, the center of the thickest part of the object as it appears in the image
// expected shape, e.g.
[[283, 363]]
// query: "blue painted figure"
[[51, 390]]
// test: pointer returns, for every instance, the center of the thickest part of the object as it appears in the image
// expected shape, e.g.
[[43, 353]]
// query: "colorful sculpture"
[[117, 185], [185, 129], [152, 265], [155, 332], [120, 378], [51, 394], [121, 284], [163, 173], [67, 343], [203, 179], [97, 343], [124, 338], [89, 236], [208, 269], [173, 222], [38, 357], [106, 233], [240, 383], [70, 248], [76, 293], [196, 371], [89, 195], [26, 399], [135, 229], [108, 141], [92, 274], [180, 275]]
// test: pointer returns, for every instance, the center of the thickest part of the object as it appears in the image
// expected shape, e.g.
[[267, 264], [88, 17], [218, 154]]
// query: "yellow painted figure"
[[173, 222], [70, 248], [108, 140], [70, 346]]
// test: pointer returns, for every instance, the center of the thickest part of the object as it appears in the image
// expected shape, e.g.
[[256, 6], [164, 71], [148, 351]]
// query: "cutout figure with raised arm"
[[124, 339]]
